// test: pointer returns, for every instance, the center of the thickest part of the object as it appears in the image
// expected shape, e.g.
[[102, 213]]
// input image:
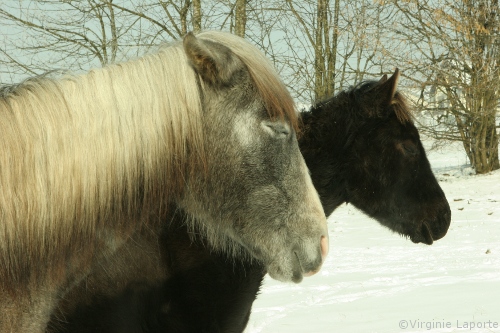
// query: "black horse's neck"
[[327, 130]]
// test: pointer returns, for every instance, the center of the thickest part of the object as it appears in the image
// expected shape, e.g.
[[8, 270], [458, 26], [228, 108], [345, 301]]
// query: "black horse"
[[361, 147]]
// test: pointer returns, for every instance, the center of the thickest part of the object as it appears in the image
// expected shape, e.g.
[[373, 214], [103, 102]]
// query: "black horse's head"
[[372, 157]]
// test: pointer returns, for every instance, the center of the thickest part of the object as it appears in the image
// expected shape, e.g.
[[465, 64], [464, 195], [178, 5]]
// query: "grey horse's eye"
[[277, 129]]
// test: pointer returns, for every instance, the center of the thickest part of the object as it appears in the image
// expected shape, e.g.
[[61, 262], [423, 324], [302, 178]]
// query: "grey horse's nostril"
[[297, 273], [316, 266]]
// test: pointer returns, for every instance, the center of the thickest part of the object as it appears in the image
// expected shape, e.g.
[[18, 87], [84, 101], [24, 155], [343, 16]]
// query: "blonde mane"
[[73, 150]]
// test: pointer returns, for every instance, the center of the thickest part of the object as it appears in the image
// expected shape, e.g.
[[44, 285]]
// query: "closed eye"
[[408, 148], [277, 129]]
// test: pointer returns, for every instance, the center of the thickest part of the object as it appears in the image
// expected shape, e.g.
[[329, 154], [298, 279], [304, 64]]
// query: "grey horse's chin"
[[423, 235], [278, 273], [302, 263], [297, 275]]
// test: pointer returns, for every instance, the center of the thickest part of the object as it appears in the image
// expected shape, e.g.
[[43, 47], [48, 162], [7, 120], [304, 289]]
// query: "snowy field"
[[377, 281]]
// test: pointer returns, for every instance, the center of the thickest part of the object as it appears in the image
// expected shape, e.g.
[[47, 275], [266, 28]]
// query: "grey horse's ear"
[[214, 62]]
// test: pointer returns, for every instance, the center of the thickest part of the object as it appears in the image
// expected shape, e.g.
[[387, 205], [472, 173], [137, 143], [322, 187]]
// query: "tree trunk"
[[196, 16], [466, 69], [485, 145], [319, 48], [332, 57], [240, 18]]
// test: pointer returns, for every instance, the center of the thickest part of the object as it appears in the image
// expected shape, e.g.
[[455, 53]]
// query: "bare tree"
[[240, 17], [196, 15], [323, 39], [319, 34], [452, 53], [78, 32], [77, 35]]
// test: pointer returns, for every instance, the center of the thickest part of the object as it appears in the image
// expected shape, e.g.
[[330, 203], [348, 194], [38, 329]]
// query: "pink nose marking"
[[324, 247]]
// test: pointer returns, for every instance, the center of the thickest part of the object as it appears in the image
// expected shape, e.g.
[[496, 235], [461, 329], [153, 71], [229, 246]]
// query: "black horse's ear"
[[214, 62], [386, 88]]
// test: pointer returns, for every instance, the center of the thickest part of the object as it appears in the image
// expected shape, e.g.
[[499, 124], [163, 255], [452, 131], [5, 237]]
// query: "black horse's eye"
[[408, 148]]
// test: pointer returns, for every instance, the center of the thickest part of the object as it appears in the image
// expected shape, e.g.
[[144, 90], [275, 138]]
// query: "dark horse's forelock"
[[402, 110], [277, 100]]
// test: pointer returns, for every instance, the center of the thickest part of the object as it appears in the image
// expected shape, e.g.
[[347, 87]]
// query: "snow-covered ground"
[[376, 281]]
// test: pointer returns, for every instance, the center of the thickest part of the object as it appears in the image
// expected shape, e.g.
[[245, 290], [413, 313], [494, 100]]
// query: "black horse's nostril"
[[440, 228]]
